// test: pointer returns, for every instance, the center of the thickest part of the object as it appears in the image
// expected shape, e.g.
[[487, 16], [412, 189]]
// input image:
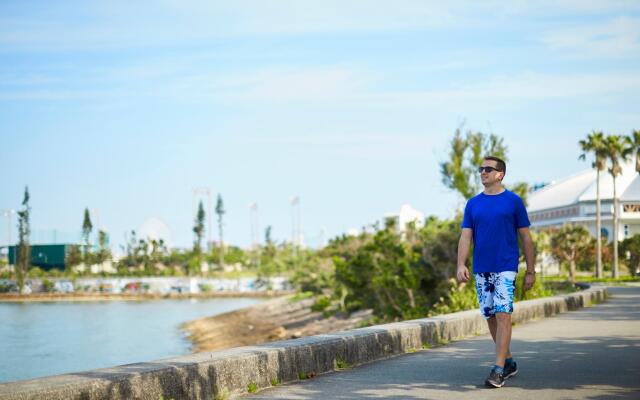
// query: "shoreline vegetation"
[[88, 297]]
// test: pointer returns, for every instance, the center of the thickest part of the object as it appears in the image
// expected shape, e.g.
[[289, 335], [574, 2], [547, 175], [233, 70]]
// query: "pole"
[[293, 220], [255, 231], [295, 200], [299, 233], [598, 227], [7, 213], [210, 207]]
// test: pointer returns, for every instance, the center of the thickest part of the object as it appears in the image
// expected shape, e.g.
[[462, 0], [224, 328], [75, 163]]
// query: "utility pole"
[[7, 213], [255, 231], [295, 227]]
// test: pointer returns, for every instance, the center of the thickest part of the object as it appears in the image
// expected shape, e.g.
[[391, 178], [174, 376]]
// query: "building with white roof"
[[406, 215], [573, 200]]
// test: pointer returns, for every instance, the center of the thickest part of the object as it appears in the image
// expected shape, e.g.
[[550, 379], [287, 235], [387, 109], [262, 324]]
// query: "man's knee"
[[503, 317]]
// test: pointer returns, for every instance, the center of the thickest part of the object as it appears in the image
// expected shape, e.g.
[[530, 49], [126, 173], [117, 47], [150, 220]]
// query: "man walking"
[[493, 220]]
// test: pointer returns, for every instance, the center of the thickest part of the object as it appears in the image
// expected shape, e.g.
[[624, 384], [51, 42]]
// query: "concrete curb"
[[227, 373]]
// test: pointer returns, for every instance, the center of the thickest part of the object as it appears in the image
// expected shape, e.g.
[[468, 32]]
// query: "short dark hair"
[[502, 166]]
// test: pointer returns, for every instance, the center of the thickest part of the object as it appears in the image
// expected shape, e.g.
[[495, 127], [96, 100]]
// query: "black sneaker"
[[510, 370], [495, 379]]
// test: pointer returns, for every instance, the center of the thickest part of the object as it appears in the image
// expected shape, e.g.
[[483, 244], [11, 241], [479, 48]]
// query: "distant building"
[[406, 215], [572, 200], [44, 256]]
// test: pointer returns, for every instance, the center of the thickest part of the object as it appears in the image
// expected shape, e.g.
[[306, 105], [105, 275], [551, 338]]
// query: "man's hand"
[[529, 280], [463, 273]]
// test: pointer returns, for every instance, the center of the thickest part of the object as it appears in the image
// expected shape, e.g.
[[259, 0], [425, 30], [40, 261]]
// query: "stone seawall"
[[227, 373]]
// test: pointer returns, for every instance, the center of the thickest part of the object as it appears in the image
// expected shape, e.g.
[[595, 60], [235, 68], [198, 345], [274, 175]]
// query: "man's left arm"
[[529, 256]]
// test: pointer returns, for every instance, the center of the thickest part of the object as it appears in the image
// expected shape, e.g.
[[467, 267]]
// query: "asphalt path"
[[593, 353]]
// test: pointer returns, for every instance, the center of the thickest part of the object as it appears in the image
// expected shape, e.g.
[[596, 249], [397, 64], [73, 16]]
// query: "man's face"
[[493, 175]]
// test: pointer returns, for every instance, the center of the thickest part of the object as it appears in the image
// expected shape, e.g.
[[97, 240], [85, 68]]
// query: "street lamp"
[[7, 213], [255, 231], [295, 222]]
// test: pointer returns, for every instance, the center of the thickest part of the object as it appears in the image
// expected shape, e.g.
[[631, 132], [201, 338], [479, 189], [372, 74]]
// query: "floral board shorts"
[[495, 292]]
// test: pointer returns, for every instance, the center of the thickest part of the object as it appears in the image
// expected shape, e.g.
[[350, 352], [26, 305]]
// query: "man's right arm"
[[464, 244]]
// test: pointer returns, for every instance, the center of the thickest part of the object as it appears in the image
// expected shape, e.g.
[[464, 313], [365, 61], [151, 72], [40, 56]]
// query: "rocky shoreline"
[[277, 319]]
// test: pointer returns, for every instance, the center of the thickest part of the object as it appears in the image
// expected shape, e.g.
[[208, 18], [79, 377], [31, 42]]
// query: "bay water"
[[41, 339]]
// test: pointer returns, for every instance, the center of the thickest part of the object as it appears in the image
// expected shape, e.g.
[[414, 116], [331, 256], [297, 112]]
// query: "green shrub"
[[300, 296], [47, 285], [341, 364], [538, 289], [321, 303]]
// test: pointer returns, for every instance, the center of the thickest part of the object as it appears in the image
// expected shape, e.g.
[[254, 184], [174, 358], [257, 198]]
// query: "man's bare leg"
[[502, 337], [493, 327]]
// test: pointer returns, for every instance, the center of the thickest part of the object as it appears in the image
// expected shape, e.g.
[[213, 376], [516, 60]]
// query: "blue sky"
[[125, 107]]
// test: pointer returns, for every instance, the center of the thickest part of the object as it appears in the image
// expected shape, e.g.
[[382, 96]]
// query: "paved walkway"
[[593, 353]]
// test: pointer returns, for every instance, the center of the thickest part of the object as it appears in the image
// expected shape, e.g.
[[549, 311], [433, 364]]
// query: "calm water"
[[40, 339]]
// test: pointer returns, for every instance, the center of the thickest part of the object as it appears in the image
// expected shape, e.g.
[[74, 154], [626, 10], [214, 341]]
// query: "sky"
[[126, 107]]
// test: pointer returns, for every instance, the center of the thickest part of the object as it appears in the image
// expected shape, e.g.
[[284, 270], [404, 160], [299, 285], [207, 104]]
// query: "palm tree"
[[618, 150], [595, 143], [635, 147]]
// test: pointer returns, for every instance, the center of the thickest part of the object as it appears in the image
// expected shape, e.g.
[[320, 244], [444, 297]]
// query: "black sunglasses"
[[487, 169]]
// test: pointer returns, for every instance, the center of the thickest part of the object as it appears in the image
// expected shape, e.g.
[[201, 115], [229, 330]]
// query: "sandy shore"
[[48, 297], [276, 319]]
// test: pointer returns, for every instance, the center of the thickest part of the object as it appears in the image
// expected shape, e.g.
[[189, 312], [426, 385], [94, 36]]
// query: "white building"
[[406, 215], [573, 200]]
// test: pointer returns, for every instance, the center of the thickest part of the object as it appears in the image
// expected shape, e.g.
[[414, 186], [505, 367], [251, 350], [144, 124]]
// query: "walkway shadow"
[[593, 368]]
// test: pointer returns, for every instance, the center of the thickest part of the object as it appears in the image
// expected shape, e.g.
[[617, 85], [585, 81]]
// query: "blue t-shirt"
[[495, 220]]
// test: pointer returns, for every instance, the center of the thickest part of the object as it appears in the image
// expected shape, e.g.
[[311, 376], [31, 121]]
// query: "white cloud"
[[618, 37], [125, 24]]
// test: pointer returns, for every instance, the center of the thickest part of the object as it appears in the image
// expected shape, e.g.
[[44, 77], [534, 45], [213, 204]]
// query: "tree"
[[24, 232], [522, 190], [267, 265], [131, 259], [634, 144], [398, 275], [267, 236], [220, 212], [630, 247], [198, 229], [158, 250], [104, 253], [143, 254], [467, 152], [73, 257], [595, 144], [87, 227], [568, 244], [617, 150]]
